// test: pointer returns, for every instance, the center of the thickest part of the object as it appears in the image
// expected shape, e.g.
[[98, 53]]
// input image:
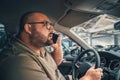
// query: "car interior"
[[90, 31]]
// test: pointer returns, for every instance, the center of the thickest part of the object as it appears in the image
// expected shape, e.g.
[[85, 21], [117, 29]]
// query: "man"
[[27, 58]]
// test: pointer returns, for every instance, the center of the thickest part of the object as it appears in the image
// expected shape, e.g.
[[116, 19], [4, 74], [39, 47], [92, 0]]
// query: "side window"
[[3, 36], [70, 47]]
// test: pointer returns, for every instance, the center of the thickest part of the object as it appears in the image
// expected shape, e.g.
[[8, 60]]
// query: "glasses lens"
[[48, 25]]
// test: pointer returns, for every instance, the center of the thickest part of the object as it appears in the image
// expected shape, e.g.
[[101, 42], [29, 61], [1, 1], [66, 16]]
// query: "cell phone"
[[54, 37]]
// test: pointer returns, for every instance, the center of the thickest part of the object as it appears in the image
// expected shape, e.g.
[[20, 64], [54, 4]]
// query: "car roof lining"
[[11, 10]]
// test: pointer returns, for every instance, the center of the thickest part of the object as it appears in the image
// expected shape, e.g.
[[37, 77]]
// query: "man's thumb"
[[93, 66]]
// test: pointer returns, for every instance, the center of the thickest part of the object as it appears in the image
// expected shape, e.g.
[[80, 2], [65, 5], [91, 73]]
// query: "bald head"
[[30, 17], [35, 17]]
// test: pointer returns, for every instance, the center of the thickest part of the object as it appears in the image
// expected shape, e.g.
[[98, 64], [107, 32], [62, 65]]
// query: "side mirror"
[[74, 51], [117, 25]]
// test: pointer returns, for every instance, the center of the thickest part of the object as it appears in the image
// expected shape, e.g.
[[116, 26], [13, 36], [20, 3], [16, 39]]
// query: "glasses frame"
[[45, 23]]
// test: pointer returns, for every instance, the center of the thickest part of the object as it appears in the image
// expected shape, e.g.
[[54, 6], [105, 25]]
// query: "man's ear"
[[27, 28]]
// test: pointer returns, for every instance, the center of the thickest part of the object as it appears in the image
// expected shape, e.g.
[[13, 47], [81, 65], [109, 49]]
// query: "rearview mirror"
[[117, 25]]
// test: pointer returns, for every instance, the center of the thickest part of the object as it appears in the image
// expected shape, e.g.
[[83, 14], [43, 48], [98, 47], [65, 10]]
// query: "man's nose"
[[52, 29]]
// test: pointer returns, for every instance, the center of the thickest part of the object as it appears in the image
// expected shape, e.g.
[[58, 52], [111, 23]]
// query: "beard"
[[49, 42], [40, 40]]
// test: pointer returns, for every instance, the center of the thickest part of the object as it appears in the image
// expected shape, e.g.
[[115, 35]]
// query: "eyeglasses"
[[46, 23]]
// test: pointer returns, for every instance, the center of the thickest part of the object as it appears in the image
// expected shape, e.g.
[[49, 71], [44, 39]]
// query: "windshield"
[[99, 32]]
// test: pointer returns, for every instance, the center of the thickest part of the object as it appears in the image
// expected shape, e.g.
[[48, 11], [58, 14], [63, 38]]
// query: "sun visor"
[[73, 18]]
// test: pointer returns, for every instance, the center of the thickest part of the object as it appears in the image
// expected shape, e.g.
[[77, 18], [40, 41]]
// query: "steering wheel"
[[118, 75], [83, 62]]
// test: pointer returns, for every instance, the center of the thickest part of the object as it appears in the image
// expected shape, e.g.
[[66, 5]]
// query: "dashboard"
[[110, 63]]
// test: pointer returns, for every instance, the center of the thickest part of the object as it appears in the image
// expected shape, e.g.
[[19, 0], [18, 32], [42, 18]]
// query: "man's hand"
[[58, 52], [93, 74]]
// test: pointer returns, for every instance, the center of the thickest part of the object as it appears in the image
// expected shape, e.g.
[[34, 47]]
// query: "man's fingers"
[[93, 67], [99, 69]]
